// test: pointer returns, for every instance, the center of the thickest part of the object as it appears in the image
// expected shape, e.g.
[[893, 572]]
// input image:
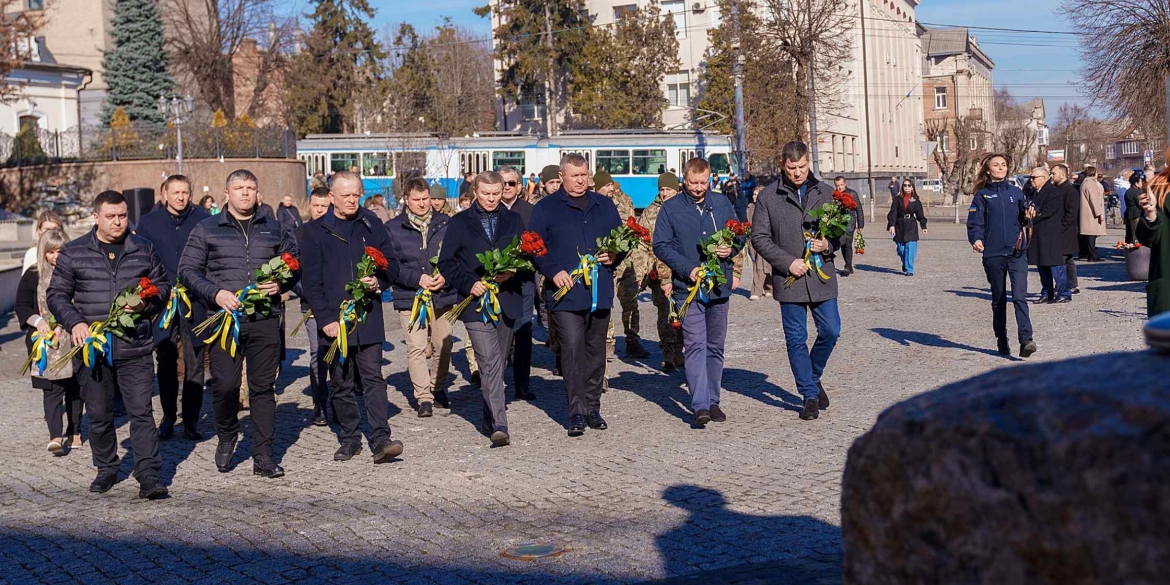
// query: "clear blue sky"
[[1027, 64]]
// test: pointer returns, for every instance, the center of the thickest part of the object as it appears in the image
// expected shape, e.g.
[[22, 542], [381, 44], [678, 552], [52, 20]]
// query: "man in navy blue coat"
[[570, 221], [330, 251], [167, 227], [682, 225]]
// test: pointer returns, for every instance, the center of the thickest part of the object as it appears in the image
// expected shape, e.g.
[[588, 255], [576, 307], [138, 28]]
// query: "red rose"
[[676, 324], [532, 244], [845, 199], [291, 261], [376, 255], [1137, 245], [654, 274], [149, 291], [747, 225], [731, 225]]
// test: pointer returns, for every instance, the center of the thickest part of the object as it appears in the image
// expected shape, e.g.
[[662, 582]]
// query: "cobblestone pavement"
[[752, 500]]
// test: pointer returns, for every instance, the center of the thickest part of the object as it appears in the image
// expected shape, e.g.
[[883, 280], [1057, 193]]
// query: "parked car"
[[935, 185]]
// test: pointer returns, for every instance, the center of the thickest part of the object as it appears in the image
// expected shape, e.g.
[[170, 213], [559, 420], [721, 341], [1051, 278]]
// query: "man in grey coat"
[[778, 234]]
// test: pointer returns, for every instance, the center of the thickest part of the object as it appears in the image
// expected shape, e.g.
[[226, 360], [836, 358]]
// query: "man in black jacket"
[[221, 257], [318, 379], [522, 360], [288, 215], [1133, 209], [91, 271], [1046, 249], [332, 247], [168, 228], [1069, 223], [856, 223]]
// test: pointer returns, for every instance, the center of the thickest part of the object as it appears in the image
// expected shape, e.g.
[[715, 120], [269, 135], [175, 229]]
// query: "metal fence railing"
[[141, 142]]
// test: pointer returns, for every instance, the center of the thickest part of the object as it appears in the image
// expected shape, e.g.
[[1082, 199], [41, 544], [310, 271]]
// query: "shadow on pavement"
[[970, 292], [932, 340], [880, 269], [755, 385]]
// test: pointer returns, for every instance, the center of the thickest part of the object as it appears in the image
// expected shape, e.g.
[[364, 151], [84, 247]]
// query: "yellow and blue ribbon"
[[175, 306], [587, 271], [97, 342], [489, 303], [229, 324], [42, 343], [422, 311], [702, 289], [814, 261]]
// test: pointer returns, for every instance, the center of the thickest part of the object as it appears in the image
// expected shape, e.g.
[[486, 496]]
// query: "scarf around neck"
[[421, 223]]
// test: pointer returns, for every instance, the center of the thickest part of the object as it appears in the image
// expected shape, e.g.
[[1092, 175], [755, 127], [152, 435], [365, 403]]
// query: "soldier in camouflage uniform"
[[655, 274], [625, 277], [550, 182]]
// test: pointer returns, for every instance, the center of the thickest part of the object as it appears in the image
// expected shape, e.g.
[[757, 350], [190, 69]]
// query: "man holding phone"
[[1153, 231]]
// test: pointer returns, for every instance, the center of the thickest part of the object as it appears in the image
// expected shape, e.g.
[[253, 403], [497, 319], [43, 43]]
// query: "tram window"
[[343, 161], [473, 161], [513, 158], [615, 162], [649, 162], [408, 161], [719, 164], [376, 164]]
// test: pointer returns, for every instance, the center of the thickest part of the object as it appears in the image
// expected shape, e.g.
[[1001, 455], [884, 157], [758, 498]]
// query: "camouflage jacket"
[[646, 264]]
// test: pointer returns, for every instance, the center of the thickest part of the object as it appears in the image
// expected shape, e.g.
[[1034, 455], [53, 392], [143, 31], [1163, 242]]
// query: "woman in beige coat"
[[1092, 222]]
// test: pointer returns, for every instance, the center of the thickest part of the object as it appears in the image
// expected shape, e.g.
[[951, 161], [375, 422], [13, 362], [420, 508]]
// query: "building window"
[[36, 4], [678, 10], [1110, 151], [940, 98], [620, 12], [678, 89], [1130, 147], [532, 107], [944, 142], [974, 143]]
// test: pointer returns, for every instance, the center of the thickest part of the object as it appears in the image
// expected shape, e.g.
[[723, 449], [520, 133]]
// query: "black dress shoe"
[[425, 410], [166, 429], [1076, 291], [475, 378], [347, 450], [1004, 348], [595, 421], [149, 488], [441, 400], [810, 410], [1028, 349], [386, 450], [191, 433], [500, 438], [717, 414], [576, 425], [525, 394], [319, 418], [557, 368], [264, 466], [224, 453], [822, 397], [634, 349], [702, 417], [104, 481], [1063, 300]]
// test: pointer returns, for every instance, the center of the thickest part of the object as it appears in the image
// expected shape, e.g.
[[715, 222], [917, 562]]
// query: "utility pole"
[[868, 136], [550, 110], [812, 105], [740, 133]]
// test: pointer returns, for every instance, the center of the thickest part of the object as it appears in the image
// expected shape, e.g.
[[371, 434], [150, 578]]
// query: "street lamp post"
[[176, 110]]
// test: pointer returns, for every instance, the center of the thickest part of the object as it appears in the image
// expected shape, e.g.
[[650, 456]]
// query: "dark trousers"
[[135, 378], [318, 373], [491, 343], [847, 252], [1070, 267], [999, 269], [1088, 248], [62, 399], [363, 365], [1054, 282], [167, 353], [704, 332], [260, 345], [522, 360], [582, 357], [1130, 229]]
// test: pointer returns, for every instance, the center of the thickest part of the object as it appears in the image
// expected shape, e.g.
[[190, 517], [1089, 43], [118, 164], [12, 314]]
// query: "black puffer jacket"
[[220, 256], [84, 286]]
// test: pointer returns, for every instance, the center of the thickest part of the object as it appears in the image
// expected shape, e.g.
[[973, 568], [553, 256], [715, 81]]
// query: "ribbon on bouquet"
[[489, 303], [422, 311], [97, 342], [229, 324], [587, 272], [814, 261], [348, 319], [175, 306], [42, 343], [702, 289]]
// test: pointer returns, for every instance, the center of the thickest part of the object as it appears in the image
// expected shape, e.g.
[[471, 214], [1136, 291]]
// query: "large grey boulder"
[[1055, 473]]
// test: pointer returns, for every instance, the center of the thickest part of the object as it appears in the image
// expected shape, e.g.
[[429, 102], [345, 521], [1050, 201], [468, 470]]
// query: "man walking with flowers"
[[241, 262], [349, 244], [788, 233], [104, 281], [697, 237]]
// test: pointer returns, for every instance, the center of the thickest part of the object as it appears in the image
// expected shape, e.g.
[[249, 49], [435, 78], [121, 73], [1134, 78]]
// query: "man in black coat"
[[318, 378], [1069, 223], [522, 359], [168, 228], [91, 271], [856, 222], [288, 215], [221, 258], [331, 250], [1133, 209], [1046, 250]]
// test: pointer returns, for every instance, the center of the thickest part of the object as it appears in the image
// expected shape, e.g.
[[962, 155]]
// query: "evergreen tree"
[[339, 68], [136, 68]]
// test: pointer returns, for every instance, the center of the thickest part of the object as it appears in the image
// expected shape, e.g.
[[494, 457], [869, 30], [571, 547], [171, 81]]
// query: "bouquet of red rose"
[[355, 308], [832, 222], [253, 302], [116, 324], [513, 258], [623, 239], [859, 242], [1128, 247], [711, 270]]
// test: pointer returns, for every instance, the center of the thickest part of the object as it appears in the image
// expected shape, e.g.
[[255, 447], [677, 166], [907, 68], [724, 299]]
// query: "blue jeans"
[[907, 252], [807, 366], [1054, 282], [704, 332]]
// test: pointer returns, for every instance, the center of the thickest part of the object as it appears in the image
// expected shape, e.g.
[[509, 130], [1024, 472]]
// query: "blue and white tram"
[[633, 158]]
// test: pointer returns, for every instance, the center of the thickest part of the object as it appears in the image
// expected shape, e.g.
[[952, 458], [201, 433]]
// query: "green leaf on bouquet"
[[126, 321], [249, 310]]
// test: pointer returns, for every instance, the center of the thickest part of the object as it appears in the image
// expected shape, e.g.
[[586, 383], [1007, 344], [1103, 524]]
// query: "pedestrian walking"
[[1133, 209], [856, 224], [903, 220], [1092, 219], [332, 247], [894, 187], [995, 229], [681, 228], [288, 215], [91, 272], [486, 226], [550, 182], [570, 222], [1046, 250], [522, 338], [625, 279], [1153, 231], [221, 258], [1069, 224], [659, 279], [318, 372], [762, 284], [168, 228], [62, 396], [782, 219]]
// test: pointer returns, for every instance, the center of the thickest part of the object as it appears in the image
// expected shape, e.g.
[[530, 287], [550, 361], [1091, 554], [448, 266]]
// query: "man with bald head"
[[1045, 251]]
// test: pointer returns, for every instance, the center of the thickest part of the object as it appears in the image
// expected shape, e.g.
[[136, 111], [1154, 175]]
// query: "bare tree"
[[1013, 134], [953, 155], [1124, 51], [1082, 135], [16, 38], [202, 36]]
